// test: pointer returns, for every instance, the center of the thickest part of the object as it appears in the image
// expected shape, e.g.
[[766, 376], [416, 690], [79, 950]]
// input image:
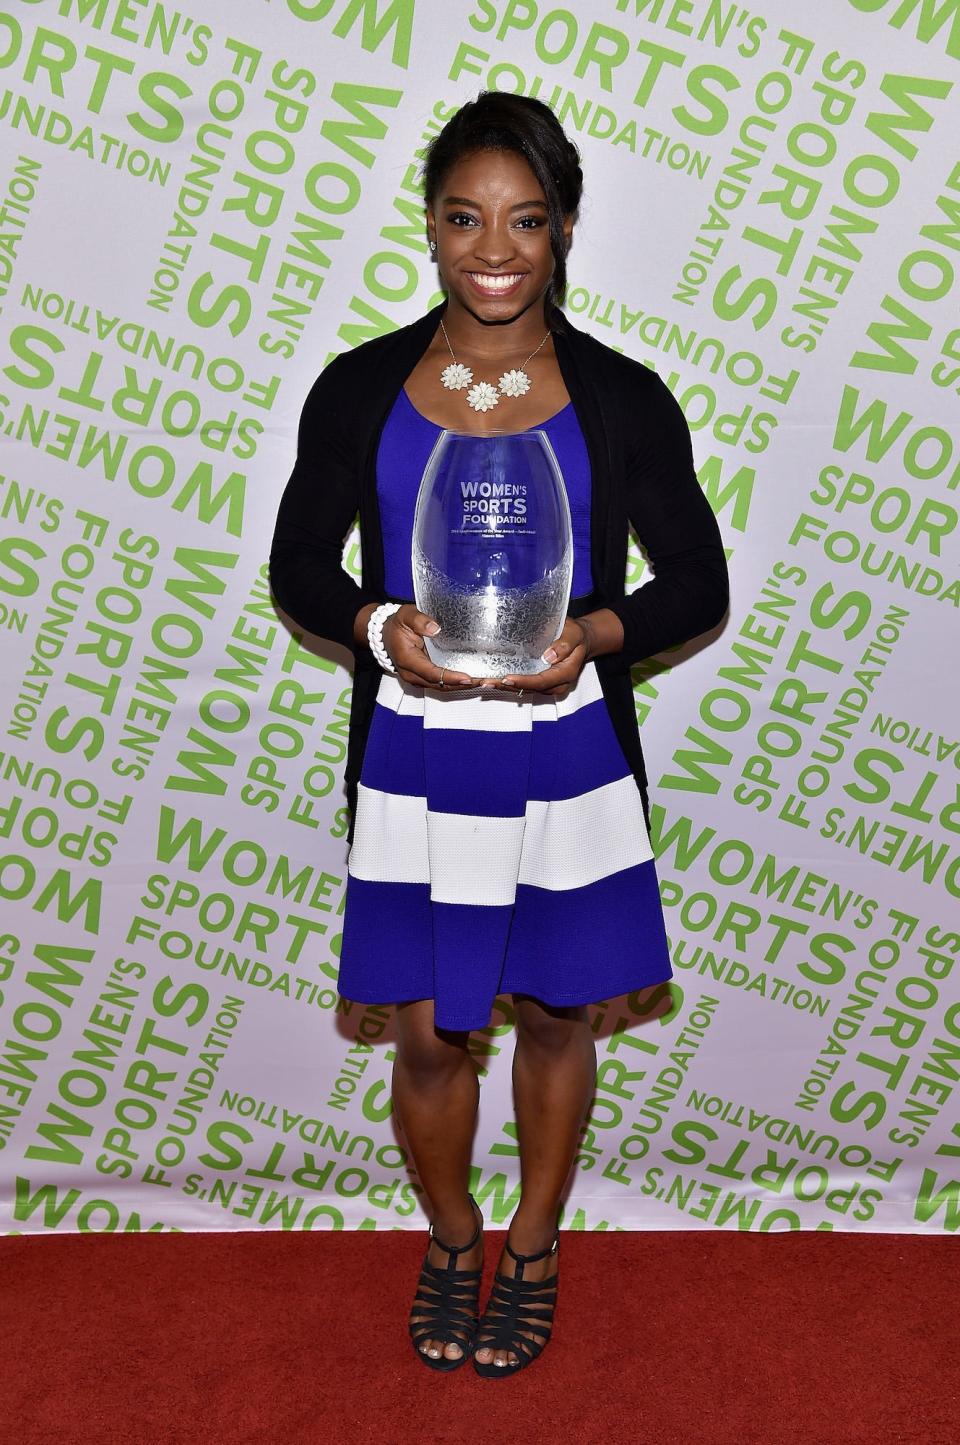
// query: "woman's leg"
[[554, 1075], [435, 1094]]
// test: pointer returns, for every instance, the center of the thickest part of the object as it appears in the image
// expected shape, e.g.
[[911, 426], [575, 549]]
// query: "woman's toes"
[[484, 1355], [452, 1351], [432, 1348]]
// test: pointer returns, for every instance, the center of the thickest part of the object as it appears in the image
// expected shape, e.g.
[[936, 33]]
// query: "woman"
[[575, 914]]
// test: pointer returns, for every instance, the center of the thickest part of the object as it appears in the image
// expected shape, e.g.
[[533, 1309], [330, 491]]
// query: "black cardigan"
[[642, 472]]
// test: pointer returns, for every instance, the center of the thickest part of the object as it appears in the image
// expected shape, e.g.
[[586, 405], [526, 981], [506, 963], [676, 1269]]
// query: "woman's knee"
[[422, 1051], [551, 1029]]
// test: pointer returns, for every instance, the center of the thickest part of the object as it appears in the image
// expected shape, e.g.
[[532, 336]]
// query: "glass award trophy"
[[492, 551]]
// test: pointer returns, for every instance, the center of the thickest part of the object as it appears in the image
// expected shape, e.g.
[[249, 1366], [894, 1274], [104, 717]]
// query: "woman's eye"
[[527, 223]]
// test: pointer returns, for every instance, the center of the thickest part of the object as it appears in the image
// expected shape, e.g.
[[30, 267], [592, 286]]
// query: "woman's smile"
[[489, 283]]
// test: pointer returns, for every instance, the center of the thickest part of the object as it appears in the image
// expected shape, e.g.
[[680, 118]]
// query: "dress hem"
[[578, 999]]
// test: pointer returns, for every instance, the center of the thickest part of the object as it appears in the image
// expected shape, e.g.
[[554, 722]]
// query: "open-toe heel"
[[445, 1304], [517, 1308]]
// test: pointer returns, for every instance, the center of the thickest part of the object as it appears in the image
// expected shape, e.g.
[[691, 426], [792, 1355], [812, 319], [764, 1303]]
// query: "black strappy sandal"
[[517, 1304], [446, 1301]]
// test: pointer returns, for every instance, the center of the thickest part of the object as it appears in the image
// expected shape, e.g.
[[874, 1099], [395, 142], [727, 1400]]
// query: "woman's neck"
[[491, 340]]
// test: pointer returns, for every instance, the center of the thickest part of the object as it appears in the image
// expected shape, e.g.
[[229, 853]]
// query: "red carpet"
[[706, 1338]]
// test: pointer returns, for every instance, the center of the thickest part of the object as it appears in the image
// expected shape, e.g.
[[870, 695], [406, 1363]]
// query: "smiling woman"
[[500, 841]]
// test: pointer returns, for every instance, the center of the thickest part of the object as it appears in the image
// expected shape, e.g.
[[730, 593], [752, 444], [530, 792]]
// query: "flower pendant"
[[483, 396], [515, 383], [455, 376]]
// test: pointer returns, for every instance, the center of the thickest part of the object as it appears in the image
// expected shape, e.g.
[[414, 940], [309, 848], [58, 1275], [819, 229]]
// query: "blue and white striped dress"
[[499, 845]]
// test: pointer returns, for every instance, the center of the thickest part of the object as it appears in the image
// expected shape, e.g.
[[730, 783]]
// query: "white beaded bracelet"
[[375, 633]]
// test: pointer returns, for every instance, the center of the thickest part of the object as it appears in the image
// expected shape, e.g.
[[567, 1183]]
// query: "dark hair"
[[498, 120]]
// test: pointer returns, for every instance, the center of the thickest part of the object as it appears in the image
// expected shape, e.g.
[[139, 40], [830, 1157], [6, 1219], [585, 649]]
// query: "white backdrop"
[[199, 207]]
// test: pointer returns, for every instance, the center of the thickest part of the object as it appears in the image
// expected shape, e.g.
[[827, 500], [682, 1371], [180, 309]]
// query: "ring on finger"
[[440, 682]]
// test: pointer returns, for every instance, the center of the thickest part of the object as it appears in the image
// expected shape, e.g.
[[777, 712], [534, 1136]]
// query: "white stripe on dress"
[[474, 859], [391, 846], [576, 841], [565, 844]]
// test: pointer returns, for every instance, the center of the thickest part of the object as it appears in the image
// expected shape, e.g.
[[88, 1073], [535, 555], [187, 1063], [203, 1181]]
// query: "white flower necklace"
[[483, 395]]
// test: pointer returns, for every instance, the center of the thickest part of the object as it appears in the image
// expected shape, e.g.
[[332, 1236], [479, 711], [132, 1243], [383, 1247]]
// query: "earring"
[[433, 245]]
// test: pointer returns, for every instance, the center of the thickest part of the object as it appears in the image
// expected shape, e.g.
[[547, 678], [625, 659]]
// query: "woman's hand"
[[403, 634], [567, 656], [582, 638]]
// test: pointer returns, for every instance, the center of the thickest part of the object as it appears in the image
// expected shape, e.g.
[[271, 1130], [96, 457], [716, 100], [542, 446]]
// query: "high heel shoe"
[[517, 1307], [446, 1301]]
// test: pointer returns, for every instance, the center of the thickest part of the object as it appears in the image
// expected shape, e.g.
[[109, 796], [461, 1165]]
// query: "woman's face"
[[490, 223]]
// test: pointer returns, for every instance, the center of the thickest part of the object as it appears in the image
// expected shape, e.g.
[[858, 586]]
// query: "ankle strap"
[[532, 1258], [453, 1250]]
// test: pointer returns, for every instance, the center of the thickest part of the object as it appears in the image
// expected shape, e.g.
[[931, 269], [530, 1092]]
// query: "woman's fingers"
[[403, 637], [563, 675], [558, 651], [410, 624], [430, 676], [565, 657], [573, 636], [414, 665], [419, 622], [560, 676]]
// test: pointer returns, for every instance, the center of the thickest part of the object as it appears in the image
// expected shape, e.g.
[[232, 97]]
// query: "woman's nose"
[[495, 246]]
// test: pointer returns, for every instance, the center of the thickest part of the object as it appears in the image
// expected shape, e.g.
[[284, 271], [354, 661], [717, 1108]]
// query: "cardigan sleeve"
[[316, 510], [689, 592]]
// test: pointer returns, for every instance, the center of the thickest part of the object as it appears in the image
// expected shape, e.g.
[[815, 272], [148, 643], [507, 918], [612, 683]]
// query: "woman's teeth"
[[494, 283]]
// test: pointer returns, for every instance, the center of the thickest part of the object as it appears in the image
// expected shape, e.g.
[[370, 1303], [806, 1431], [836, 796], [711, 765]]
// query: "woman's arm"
[[316, 510], [689, 592]]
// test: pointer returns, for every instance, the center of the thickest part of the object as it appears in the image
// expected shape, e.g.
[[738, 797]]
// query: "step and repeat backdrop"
[[201, 204]]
